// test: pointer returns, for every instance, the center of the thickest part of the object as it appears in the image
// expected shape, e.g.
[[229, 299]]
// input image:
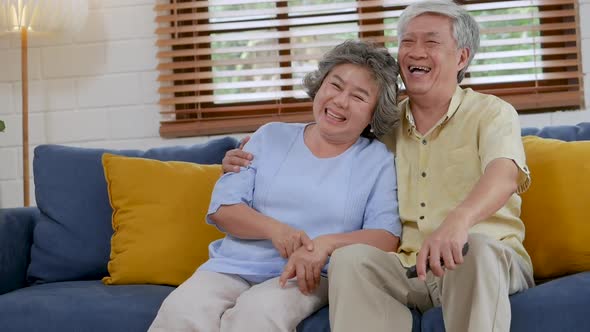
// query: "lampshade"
[[43, 15]]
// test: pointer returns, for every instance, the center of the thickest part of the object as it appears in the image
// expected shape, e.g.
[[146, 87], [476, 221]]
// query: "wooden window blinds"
[[232, 65]]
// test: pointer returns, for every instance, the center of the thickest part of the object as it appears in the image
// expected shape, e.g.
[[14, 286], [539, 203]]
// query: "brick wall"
[[98, 88]]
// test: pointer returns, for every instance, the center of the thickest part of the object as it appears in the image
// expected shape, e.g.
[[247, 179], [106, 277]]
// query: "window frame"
[[194, 21]]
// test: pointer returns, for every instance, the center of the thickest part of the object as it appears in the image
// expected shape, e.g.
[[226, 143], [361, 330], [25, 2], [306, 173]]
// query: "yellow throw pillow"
[[555, 209], [160, 234]]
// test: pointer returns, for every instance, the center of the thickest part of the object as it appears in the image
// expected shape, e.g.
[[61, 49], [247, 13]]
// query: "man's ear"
[[464, 54]]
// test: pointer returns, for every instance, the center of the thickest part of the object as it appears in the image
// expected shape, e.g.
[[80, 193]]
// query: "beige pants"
[[369, 290], [210, 301]]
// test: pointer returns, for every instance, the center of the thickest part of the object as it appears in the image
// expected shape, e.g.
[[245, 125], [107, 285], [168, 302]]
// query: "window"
[[232, 65]]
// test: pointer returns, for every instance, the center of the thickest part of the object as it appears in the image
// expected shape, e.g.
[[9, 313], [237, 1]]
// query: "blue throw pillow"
[[71, 240]]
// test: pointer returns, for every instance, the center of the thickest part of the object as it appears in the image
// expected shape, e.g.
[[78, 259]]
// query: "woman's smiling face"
[[345, 102]]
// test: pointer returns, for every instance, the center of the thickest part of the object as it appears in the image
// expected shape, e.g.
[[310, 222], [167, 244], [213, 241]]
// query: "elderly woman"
[[311, 189]]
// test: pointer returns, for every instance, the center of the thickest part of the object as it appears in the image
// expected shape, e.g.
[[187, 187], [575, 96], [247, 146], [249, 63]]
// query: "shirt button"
[[422, 204], [423, 174], [424, 141], [421, 217]]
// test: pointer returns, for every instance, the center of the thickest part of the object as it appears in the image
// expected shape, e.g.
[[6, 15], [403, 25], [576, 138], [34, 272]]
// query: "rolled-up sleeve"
[[381, 211], [237, 188], [500, 138], [232, 188]]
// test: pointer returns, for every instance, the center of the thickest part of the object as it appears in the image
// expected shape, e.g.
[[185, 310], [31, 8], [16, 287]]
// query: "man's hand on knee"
[[443, 247]]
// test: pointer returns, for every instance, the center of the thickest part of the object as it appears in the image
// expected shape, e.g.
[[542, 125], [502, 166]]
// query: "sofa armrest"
[[16, 238]]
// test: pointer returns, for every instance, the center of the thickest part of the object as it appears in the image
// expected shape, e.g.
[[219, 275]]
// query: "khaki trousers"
[[369, 290], [212, 302]]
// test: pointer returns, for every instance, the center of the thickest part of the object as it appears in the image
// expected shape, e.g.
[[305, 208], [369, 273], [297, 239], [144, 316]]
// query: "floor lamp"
[[25, 16]]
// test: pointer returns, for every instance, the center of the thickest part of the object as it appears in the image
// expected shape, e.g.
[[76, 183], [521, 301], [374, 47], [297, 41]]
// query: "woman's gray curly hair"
[[382, 67]]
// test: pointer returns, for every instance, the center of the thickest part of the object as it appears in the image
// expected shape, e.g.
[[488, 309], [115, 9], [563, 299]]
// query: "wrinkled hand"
[[287, 240], [445, 244], [236, 158], [307, 267]]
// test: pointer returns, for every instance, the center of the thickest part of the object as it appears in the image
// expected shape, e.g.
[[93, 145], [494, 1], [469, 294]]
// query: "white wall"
[[98, 88]]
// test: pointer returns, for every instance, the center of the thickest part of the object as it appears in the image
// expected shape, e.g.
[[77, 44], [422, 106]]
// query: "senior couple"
[[300, 196]]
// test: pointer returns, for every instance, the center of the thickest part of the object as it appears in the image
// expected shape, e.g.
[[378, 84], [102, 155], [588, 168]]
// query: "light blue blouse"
[[355, 190]]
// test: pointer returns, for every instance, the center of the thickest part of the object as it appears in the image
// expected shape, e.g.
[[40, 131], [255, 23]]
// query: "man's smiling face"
[[429, 57]]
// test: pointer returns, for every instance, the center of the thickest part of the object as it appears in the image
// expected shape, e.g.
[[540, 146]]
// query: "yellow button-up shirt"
[[436, 171]]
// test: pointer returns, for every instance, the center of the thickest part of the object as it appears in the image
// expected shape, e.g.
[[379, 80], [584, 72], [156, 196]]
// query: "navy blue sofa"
[[53, 256]]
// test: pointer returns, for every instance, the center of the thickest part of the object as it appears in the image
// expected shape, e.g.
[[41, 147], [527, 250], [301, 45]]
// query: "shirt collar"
[[456, 101]]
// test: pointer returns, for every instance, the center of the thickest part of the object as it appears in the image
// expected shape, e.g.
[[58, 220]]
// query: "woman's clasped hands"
[[306, 257]]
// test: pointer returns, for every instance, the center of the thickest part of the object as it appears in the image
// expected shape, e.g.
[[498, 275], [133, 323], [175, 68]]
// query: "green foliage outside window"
[[246, 49]]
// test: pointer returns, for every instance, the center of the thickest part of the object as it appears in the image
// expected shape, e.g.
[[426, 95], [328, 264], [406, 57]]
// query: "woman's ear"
[[368, 132]]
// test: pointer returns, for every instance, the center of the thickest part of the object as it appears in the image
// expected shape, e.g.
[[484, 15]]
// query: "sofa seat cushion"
[[81, 306], [320, 321], [71, 240], [558, 305]]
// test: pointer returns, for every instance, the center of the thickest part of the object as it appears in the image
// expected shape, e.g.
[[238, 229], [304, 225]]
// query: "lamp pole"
[[37, 15], [25, 126]]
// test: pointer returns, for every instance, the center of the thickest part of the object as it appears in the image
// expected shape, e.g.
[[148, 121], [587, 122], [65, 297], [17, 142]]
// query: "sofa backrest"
[[579, 132], [72, 236], [71, 240]]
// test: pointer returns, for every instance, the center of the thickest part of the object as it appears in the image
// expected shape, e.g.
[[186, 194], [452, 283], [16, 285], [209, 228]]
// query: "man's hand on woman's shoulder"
[[236, 158]]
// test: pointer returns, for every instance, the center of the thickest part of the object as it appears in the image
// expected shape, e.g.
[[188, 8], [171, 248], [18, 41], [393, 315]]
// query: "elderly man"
[[460, 164]]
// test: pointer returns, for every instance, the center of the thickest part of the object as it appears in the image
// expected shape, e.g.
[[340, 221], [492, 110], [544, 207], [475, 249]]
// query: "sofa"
[[53, 256]]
